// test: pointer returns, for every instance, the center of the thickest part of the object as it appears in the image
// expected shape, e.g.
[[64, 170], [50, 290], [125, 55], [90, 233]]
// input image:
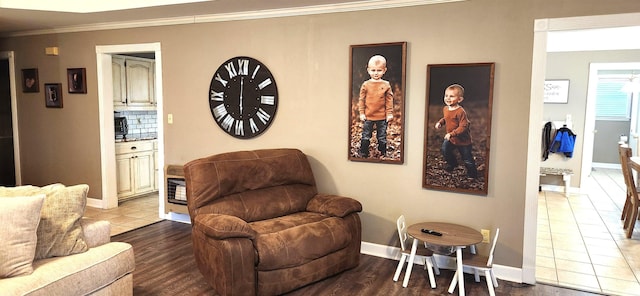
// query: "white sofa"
[[101, 267]]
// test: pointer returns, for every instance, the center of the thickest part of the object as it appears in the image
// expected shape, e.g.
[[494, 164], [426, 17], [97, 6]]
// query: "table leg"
[[407, 274]]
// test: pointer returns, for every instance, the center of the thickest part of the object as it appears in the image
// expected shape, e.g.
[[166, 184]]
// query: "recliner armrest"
[[223, 226], [334, 205]]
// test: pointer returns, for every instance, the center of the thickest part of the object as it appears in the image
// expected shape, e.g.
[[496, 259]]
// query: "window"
[[611, 102]]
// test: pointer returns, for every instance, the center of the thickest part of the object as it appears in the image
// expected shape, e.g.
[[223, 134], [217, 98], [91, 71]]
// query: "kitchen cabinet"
[[135, 167], [119, 82], [133, 83]]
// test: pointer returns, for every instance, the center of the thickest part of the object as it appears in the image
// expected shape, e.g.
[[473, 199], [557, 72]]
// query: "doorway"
[[543, 28], [9, 143], [617, 124], [107, 133]]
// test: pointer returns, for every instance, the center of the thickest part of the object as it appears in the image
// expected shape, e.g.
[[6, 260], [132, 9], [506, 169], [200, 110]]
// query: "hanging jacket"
[[563, 142], [546, 140]]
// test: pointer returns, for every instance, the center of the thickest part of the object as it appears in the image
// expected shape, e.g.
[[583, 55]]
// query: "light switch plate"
[[486, 235]]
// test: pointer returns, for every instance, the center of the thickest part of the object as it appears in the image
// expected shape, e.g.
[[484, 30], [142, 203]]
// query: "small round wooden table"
[[454, 235]]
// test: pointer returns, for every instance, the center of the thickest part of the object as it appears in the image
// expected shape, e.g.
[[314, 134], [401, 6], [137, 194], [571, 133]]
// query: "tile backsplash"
[[142, 124]]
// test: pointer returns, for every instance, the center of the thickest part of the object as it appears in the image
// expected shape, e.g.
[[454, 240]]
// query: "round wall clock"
[[243, 97]]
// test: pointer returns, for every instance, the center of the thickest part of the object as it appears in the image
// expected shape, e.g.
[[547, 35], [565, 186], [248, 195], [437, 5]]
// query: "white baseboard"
[[605, 165], [177, 217], [502, 272], [94, 203], [558, 188]]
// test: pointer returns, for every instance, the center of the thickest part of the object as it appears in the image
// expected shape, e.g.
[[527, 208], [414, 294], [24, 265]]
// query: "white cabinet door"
[[119, 81], [144, 171], [124, 172], [140, 83]]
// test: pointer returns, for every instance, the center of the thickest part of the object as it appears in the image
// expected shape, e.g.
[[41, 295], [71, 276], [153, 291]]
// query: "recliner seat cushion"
[[301, 244]]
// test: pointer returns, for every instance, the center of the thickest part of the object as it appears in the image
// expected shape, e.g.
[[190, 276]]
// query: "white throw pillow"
[[19, 219]]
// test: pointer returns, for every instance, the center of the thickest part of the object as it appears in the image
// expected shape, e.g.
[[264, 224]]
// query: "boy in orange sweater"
[[458, 136], [375, 105]]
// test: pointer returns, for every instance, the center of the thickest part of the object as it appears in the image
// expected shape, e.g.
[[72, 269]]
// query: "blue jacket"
[[563, 142]]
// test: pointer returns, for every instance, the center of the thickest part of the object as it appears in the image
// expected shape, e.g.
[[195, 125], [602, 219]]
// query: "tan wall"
[[309, 57]]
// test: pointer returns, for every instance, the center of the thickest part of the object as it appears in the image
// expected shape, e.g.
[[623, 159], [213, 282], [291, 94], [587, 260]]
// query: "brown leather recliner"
[[261, 228]]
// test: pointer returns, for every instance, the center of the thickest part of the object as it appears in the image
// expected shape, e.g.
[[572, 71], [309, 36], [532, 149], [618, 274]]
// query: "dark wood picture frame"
[[53, 95], [458, 175], [30, 82], [396, 55], [77, 80]]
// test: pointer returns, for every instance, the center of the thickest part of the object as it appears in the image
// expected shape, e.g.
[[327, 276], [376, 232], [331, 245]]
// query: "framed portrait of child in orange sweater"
[[458, 127], [376, 102]]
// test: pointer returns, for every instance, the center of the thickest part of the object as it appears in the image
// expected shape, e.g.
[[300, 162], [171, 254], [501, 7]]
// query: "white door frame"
[[542, 27], [13, 82], [107, 134]]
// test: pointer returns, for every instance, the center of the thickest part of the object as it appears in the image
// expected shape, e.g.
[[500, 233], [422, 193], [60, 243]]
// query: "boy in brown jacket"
[[458, 136]]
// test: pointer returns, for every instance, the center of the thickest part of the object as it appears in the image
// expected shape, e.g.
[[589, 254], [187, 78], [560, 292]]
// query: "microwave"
[[121, 126]]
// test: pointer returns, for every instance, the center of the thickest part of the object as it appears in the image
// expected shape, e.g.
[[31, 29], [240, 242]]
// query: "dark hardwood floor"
[[165, 266]]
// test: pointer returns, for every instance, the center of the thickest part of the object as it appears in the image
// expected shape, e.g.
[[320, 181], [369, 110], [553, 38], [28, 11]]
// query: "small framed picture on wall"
[[77, 80], [556, 91], [30, 80], [53, 95]]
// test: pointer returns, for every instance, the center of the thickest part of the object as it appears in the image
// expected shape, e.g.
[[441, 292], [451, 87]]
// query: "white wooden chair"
[[480, 263], [422, 253]]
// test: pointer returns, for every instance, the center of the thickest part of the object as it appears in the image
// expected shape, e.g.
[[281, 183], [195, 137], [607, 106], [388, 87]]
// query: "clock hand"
[[241, 88]]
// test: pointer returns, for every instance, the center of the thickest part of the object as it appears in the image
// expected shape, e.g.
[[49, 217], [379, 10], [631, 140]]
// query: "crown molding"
[[246, 15]]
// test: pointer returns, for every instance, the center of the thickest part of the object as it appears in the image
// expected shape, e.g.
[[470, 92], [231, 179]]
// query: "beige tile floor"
[[581, 243], [129, 215]]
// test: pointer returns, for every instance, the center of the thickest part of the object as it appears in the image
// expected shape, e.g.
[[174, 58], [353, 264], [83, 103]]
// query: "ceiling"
[[44, 18]]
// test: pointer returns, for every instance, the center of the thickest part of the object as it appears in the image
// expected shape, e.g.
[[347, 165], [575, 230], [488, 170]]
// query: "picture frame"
[[53, 95], [30, 82], [461, 162], [77, 80], [556, 91], [389, 118]]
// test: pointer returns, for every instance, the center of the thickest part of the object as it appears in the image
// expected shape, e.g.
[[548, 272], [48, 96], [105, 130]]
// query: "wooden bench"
[[565, 173]]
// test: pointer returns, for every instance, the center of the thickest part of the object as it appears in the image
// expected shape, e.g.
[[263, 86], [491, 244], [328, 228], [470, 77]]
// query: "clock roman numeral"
[[219, 111], [231, 69], [263, 116], [218, 78], [217, 96], [239, 128], [255, 71], [227, 123], [265, 83], [254, 127], [267, 100], [243, 67]]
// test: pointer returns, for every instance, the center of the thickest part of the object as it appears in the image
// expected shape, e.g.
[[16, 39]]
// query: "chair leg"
[[487, 275], [631, 221], [429, 266], [493, 278], [436, 270], [454, 282], [476, 275], [625, 208], [396, 276]]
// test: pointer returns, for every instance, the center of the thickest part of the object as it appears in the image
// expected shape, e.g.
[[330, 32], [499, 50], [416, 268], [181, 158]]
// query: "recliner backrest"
[[252, 185]]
